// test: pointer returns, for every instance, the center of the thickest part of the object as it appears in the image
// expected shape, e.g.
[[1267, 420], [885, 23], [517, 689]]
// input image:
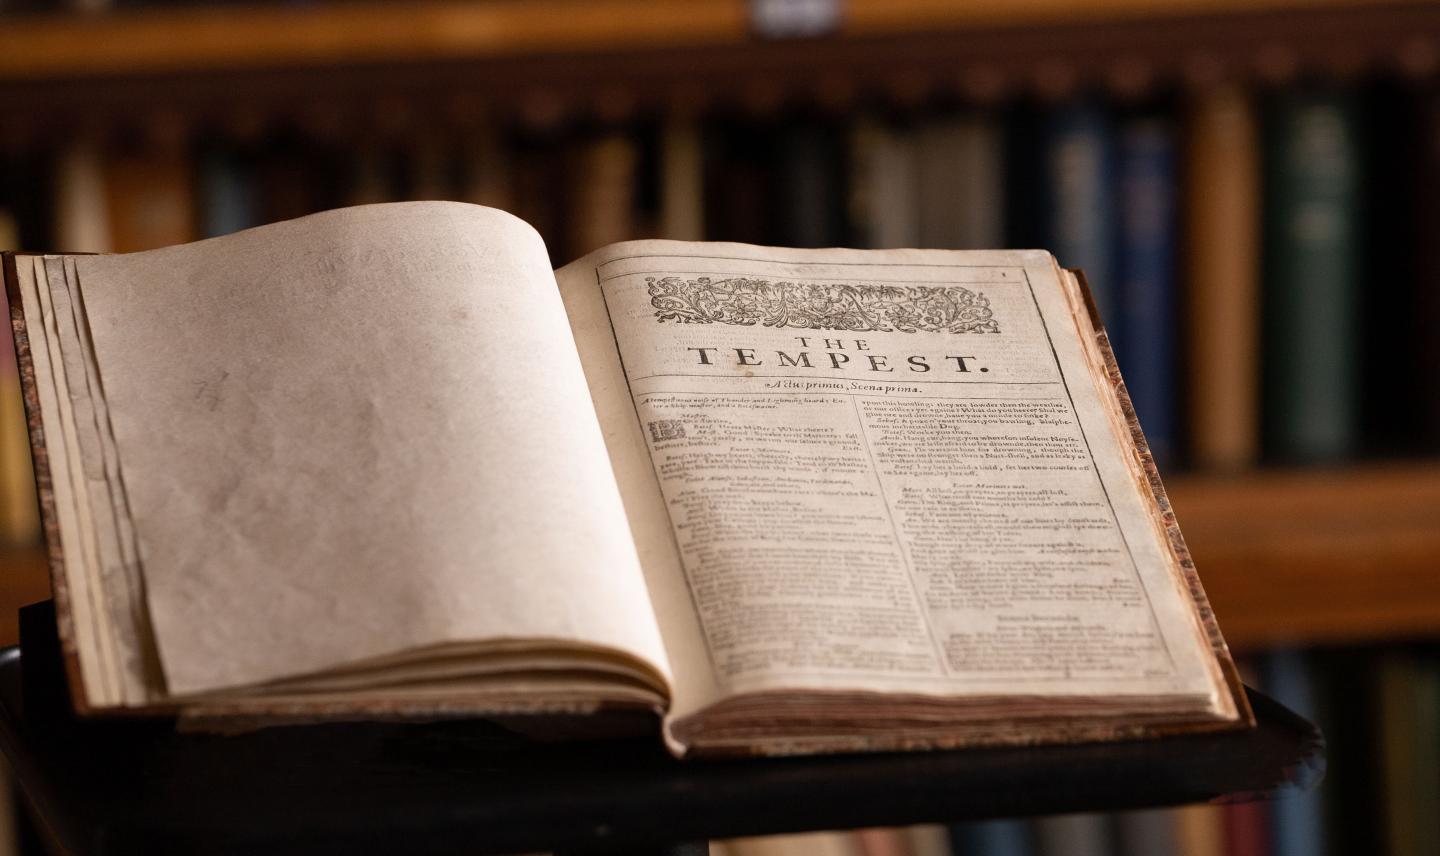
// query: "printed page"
[[356, 434], [877, 471]]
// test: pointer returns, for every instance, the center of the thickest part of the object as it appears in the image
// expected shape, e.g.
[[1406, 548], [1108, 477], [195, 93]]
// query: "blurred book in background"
[[1312, 277]]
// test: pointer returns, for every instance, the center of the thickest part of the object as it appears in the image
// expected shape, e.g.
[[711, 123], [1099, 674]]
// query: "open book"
[[383, 461]]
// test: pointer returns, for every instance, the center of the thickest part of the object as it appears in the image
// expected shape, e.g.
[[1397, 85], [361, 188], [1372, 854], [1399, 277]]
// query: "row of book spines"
[[1166, 221], [1189, 831], [1380, 713]]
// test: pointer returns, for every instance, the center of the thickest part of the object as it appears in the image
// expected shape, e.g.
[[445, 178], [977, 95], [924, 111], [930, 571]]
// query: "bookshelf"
[[615, 55], [206, 39], [1317, 557]]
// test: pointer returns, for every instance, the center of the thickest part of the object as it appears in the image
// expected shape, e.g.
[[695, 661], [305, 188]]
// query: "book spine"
[[808, 194], [682, 181], [802, 844], [883, 204], [881, 841], [1247, 829], [603, 197], [371, 178], [993, 838], [1079, 161], [1141, 833], [229, 201], [1410, 752], [294, 177], [484, 168], [960, 180], [1347, 686], [1222, 267], [1074, 835], [927, 839], [1312, 272], [429, 167], [151, 196], [739, 178], [1200, 830], [1426, 267], [1146, 354], [1297, 825], [82, 214]]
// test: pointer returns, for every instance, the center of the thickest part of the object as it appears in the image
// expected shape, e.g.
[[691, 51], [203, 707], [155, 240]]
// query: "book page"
[[888, 471], [357, 434]]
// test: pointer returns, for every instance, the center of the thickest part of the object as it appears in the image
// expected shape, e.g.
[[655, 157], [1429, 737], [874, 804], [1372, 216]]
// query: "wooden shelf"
[[229, 37], [1317, 557], [1307, 557], [208, 62]]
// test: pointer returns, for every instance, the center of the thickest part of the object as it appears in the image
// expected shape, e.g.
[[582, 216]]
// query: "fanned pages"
[[382, 461]]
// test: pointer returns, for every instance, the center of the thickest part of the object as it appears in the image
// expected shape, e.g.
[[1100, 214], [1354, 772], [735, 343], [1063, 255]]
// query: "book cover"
[[1312, 276]]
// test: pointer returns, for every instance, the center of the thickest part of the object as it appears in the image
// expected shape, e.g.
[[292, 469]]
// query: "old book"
[[788, 501]]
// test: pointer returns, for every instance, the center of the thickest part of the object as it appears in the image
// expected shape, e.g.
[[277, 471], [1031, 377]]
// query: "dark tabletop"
[[473, 787]]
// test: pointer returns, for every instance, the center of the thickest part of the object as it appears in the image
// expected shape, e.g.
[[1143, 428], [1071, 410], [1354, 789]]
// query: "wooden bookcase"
[[1310, 557], [606, 58]]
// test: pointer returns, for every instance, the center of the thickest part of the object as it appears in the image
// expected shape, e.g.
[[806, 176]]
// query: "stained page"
[[880, 471], [355, 434]]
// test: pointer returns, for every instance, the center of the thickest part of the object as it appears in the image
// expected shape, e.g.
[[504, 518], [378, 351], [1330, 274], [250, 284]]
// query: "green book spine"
[[1312, 267]]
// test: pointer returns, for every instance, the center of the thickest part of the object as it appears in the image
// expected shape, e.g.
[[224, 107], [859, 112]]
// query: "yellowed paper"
[[355, 434], [879, 472]]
